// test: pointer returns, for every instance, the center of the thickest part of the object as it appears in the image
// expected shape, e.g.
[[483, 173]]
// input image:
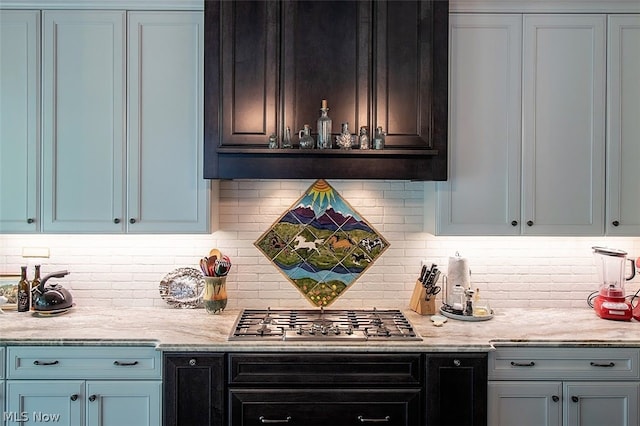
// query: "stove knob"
[[324, 330], [349, 331], [299, 330], [337, 331], [312, 331]]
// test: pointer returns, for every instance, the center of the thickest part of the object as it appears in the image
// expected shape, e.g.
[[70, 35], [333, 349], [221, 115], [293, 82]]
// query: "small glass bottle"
[[378, 140], [273, 142], [324, 127], [23, 291], [306, 141], [286, 139], [344, 139], [364, 138]]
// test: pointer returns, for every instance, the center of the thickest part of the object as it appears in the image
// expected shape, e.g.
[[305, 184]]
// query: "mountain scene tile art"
[[321, 244]]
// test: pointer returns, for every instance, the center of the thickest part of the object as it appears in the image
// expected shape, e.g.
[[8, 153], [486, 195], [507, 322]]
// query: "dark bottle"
[[23, 291], [34, 284]]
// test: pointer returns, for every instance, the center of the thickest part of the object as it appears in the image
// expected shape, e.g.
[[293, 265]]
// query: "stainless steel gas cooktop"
[[322, 325]]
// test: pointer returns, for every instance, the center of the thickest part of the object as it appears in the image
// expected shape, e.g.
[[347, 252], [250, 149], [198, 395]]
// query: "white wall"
[[125, 270]]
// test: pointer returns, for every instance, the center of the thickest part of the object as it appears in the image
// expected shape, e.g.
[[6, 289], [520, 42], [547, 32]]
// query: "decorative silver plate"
[[183, 288]]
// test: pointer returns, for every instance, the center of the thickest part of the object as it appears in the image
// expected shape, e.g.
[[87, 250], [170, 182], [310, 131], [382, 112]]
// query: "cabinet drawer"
[[306, 407], [82, 362], [329, 369], [564, 363]]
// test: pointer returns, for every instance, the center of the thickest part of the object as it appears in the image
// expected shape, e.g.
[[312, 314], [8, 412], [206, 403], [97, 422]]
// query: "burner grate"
[[309, 325]]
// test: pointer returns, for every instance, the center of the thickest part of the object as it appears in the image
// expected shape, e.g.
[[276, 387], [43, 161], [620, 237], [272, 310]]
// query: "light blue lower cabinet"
[[83, 386], [77, 402], [2, 403]]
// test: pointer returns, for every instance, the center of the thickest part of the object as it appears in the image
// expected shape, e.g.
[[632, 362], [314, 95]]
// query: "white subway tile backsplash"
[[125, 270]]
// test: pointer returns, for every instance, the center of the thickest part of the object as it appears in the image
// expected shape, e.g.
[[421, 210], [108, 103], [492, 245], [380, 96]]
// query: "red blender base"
[[636, 312], [613, 308]]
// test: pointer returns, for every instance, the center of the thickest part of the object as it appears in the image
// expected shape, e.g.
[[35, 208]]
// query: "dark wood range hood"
[[268, 65]]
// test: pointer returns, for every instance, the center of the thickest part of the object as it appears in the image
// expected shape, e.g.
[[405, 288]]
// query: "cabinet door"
[[166, 191], [120, 403], [249, 56], [525, 404], [564, 64], [623, 125], [601, 403], [408, 87], [193, 387], [482, 195], [83, 121], [19, 120], [326, 48], [34, 402], [457, 390]]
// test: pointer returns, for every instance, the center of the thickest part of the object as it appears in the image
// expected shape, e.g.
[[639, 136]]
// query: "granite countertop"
[[194, 330]]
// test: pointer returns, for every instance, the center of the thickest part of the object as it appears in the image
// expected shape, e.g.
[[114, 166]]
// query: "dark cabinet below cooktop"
[[268, 66]]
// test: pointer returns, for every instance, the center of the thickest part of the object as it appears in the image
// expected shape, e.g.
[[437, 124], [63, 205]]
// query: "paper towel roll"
[[458, 272]]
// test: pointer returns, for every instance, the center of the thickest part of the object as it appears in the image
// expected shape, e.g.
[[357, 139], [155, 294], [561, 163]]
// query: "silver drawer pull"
[[125, 364], [523, 364], [598, 364], [285, 420], [382, 420], [36, 362]]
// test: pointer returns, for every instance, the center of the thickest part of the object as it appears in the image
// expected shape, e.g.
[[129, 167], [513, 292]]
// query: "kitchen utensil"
[[53, 297], [611, 302], [215, 253]]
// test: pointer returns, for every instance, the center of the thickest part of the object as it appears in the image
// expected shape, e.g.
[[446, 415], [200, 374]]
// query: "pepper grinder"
[[468, 308]]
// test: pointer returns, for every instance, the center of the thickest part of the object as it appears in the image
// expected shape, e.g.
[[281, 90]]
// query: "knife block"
[[419, 303]]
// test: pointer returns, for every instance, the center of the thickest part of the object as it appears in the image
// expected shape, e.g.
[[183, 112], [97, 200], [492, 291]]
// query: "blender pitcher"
[[611, 264], [611, 301]]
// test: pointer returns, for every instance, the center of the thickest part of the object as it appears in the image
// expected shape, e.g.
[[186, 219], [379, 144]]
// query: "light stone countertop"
[[194, 330]]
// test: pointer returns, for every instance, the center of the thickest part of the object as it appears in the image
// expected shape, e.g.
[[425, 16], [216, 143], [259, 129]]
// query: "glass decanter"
[[286, 139], [306, 141]]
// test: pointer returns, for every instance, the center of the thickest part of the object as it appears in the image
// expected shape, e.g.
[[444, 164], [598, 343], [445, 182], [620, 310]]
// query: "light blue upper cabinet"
[[83, 121], [623, 125], [122, 122], [166, 191], [527, 126], [563, 124], [482, 195], [19, 120]]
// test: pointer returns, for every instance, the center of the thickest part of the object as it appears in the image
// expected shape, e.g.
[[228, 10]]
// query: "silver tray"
[[465, 317], [183, 288]]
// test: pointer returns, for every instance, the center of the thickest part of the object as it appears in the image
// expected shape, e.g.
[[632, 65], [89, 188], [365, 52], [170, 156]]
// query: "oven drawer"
[[400, 407], [564, 363], [325, 369]]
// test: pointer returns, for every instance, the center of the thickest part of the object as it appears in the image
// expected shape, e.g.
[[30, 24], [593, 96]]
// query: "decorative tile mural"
[[321, 244]]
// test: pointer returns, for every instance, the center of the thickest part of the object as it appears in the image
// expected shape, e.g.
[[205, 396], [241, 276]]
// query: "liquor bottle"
[[34, 284], [324, 127], [23, 291], [364, 138]]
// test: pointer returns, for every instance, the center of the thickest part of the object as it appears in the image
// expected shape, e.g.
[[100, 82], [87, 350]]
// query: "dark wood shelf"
[[329, 152]]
